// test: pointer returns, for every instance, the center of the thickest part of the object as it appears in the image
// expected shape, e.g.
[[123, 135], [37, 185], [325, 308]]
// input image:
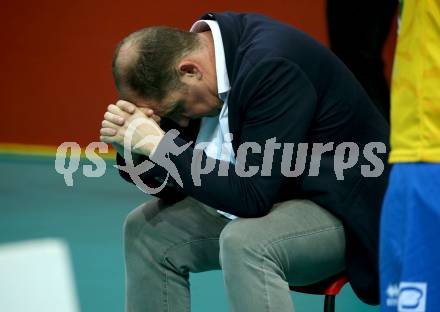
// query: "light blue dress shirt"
[[214, 131]]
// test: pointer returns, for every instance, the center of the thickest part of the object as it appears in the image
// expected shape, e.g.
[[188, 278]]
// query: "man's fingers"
[[107, 124], [106, 139], [116, 110], [147, 111], [108, 131], [117, 120], [126, 106]]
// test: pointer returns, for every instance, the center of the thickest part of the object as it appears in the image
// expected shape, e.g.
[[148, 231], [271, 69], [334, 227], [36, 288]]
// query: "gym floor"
[[36, 203]]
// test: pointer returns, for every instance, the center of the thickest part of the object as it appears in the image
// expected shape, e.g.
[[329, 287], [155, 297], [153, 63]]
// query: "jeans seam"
[[165, 291], [178, 245], [265, 287], [163, 262], [303, 234]]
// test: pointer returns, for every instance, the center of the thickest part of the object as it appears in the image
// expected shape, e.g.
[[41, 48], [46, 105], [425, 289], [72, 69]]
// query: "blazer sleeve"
[[154, 177], [278, 101]]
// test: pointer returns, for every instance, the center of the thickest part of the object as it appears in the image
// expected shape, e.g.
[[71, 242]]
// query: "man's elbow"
[[125, 176]]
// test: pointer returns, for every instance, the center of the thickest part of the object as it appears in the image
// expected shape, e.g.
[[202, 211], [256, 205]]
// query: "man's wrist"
[[136, 158], [155, 145]]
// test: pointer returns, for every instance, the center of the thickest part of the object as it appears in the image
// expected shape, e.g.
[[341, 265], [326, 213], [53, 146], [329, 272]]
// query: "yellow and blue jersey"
[[415, 92]]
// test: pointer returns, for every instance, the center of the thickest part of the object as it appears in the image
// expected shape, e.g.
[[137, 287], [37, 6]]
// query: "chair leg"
[[329, 303]]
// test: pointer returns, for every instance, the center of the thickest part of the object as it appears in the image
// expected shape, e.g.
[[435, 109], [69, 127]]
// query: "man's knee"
[[237, 241], [137, 219]]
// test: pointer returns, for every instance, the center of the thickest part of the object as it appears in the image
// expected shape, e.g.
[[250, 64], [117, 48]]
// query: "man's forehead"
[[158, 108], [130, 96], [148, 104]]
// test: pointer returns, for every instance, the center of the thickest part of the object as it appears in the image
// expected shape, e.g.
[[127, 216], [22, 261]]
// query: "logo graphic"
[[290, 159], [412, 297], [392, 295], [160, 157]]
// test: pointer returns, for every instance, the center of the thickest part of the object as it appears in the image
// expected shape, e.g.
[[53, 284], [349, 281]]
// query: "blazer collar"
[[230, 29]]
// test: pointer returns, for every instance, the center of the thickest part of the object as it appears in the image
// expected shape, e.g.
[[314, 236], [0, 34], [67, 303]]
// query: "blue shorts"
[[410, 239]]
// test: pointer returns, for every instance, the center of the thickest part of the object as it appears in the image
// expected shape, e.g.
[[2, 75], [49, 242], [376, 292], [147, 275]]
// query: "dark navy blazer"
[[286, 85]]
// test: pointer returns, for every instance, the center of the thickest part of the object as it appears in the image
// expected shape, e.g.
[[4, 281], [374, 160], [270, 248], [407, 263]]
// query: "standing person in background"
[[357, 32], [410, 226]]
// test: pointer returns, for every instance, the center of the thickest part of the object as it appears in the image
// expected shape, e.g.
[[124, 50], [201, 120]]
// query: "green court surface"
[[36, 203]]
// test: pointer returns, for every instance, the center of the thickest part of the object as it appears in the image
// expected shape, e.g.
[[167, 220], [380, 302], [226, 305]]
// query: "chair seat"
[[330, 286]]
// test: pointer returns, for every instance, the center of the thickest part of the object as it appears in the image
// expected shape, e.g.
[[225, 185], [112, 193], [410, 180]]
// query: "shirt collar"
[[223, 85]]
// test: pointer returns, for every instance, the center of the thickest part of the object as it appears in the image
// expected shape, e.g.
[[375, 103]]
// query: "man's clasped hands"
[[116, 125]]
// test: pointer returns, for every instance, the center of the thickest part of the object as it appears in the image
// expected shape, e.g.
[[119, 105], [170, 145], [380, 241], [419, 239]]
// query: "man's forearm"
[[153, 178]]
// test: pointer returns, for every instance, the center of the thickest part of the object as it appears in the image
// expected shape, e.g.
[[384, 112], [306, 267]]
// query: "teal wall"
[[36, 203]]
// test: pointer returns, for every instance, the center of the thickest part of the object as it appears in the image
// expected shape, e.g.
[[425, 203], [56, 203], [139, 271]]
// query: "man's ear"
[[190, 70]]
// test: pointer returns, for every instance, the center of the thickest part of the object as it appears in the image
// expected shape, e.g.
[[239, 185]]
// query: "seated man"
[[254, 97]]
